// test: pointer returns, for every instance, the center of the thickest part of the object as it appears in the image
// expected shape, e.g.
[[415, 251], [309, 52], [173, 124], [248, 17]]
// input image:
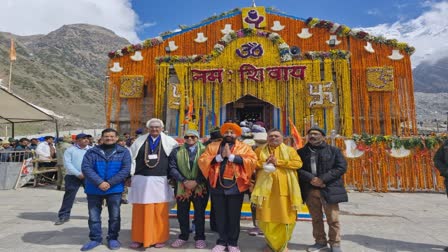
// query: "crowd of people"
[[158, 169]]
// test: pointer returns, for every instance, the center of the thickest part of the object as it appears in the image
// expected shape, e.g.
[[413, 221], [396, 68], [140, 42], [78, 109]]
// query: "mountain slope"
[[63, 71]]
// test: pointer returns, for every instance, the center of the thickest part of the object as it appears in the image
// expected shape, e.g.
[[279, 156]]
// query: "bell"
[[116, 68], [137, 56], [369, 48], [333, 40], [200, 38], [396, 55], [305, 33], [227, 29], [277, 26], [172, 45]]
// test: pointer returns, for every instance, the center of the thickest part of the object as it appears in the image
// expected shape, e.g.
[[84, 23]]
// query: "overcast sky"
[[421, 23]]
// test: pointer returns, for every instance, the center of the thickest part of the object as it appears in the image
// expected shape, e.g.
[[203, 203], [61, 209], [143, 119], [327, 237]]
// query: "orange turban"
[[233, 126]]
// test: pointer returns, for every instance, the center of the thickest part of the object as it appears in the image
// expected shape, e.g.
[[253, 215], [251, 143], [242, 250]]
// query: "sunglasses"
[[192, 137]]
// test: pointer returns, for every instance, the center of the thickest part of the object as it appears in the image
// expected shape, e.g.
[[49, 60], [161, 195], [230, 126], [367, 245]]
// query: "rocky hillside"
[[431, 77], [63, 71]]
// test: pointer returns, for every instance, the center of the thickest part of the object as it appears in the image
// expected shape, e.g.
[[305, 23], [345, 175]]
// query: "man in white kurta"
[[150, 192]]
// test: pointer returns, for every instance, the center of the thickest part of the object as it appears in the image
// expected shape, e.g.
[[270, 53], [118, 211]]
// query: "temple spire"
[[253, 3]]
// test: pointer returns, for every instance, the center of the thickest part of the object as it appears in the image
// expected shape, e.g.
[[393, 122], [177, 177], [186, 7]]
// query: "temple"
[[257, 63]]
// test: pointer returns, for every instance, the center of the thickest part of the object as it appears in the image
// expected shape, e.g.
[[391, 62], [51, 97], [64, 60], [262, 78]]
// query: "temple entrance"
[[251, 109]]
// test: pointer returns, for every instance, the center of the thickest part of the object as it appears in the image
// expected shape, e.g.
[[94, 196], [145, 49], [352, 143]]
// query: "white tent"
[[14, 109]]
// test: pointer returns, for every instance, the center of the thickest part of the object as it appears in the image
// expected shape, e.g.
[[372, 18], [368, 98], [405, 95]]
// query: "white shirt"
[[43, 151]]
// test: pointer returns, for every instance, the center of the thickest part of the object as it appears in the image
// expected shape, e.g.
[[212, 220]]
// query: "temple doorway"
[[251, 109]]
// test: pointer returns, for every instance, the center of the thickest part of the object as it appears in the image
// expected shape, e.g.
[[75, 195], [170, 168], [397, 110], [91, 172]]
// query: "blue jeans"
[[72, 184], [94, 203]]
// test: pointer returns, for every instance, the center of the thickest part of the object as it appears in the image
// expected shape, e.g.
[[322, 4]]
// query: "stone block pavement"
[[370, 222]]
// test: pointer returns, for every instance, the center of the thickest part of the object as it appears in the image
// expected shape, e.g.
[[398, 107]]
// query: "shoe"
[[124, 201], [135, 245], [159, 245], [200, 244], [61, 221], [90, 245], [336, 249], [233, 249], [178, 243], [317, 247], [219, 248], [254, 231], [113, 244]]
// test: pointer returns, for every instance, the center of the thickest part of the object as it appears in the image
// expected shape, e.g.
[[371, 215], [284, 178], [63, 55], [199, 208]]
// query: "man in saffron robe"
[[228, 165], [191, 186], [276, 192], [150, 192]]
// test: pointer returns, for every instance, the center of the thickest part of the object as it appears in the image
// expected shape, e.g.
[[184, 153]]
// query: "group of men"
[[222, 170]]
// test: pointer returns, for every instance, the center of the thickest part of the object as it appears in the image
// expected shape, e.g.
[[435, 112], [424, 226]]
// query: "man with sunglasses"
[[191, 186]]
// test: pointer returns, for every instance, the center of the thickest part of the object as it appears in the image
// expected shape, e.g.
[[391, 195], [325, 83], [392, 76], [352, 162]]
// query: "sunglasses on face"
[[192, 137]]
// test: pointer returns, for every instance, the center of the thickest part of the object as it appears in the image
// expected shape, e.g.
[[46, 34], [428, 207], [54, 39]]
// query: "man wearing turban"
[[228, 164]]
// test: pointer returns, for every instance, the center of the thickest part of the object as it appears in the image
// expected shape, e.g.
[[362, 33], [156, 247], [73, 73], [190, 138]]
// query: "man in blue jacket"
[[105, 168]]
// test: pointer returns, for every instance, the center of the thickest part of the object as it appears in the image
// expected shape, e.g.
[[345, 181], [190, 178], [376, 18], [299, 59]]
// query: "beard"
[[229, 139]]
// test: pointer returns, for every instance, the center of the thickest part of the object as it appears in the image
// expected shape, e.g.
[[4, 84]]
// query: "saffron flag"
[[190, 112], [12, 51], [298, 142]]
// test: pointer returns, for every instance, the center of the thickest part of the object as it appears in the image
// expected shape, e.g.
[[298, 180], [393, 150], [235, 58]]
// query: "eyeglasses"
[[192, 137]]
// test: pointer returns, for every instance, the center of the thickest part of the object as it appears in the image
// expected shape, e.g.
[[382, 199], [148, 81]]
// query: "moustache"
[[229, 139]]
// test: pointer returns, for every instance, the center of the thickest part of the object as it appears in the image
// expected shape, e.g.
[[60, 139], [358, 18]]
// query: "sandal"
[[135, 245], [159, 245]]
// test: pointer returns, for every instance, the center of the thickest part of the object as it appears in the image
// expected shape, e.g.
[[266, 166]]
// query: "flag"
[[189, 113], [298, 142], [190, 109], [12, 51]]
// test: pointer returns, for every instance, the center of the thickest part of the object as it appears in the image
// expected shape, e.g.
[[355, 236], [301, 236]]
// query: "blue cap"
[[81, 135]]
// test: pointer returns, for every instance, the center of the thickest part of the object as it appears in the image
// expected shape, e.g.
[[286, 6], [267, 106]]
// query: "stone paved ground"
[[370, 221]]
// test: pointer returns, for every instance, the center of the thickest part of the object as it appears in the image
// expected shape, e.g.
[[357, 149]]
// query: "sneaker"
[[336, 249], [113, 244], [200, 244], [178, 243], [317, 247], [219, 248], [90, 245], [233, 249], [61, 221]]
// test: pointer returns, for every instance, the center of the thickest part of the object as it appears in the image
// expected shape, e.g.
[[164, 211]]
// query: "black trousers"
[[183, 216], [227, 213]]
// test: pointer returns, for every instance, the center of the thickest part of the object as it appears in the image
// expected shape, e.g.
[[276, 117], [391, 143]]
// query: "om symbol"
[[251, 49]]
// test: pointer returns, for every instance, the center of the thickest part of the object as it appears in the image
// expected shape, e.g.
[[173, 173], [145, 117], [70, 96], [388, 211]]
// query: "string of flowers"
[[417, 142], [345, 31], [132, 48]]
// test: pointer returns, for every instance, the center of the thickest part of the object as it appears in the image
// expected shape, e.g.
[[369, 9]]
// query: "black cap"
[[317, 128]]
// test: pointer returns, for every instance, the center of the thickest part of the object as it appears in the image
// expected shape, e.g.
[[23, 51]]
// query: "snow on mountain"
[[428, 34]]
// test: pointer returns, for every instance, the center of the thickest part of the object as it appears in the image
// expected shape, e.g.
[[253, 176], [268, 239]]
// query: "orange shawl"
[[242, 172]]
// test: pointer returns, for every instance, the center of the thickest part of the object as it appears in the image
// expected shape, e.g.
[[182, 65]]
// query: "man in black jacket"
[[441, 163], [322, 187]]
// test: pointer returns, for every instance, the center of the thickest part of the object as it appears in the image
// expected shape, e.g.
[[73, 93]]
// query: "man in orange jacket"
[[228, 165]]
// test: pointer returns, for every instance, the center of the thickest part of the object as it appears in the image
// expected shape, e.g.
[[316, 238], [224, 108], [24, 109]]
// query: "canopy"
[[14, 109]]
